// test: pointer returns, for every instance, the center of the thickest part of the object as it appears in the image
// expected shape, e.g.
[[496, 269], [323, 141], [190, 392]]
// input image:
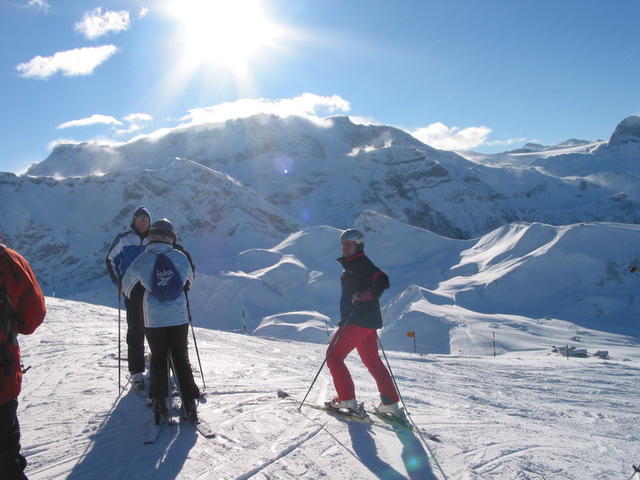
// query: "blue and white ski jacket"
[[124, 250], [156, 313]]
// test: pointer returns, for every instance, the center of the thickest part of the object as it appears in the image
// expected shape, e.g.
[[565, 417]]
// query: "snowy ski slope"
[[523, 415]]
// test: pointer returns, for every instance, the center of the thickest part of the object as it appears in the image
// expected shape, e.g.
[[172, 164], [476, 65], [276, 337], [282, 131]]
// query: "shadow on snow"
[[414, 456], [118, 451]]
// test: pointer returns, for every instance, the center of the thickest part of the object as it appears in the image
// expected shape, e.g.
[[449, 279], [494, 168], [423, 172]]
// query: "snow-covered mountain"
[[329, 172], [627, 131], [578, 158], [65, 226], [534, 285], [537, 148], [263, 259], [527, 415]]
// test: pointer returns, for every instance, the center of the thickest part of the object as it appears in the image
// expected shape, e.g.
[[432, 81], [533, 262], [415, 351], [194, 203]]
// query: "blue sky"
[[482, 75]]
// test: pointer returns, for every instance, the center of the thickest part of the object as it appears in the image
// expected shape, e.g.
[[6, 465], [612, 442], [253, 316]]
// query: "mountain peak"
[[627, 131], [574, 142]]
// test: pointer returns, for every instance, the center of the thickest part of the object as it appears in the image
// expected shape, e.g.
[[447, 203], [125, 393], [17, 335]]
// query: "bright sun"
[[222, 33]]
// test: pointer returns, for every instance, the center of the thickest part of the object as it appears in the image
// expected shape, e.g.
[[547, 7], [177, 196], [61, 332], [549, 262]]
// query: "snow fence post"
[[244, 323], [412, 334]]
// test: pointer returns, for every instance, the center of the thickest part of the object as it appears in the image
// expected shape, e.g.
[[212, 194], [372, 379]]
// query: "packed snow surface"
[[525, 415]]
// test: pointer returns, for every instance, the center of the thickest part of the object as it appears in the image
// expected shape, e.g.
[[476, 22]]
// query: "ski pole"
[[332, 342], [172, 369], [119, 321], [312, 383], [204, 387]]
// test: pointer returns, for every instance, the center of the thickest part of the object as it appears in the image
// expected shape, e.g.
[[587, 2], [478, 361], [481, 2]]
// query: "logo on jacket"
[[164, 277]]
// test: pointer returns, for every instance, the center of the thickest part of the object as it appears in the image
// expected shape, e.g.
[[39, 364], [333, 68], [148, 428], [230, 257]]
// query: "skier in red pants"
[[362, 284]]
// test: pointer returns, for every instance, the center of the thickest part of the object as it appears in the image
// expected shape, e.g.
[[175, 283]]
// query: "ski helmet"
[[162, 231], [355, 236]]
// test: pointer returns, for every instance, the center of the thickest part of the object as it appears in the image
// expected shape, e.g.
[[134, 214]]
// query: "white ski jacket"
[[157, 313]]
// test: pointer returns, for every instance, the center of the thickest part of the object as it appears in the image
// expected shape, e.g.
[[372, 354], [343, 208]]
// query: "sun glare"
[[222, 33]]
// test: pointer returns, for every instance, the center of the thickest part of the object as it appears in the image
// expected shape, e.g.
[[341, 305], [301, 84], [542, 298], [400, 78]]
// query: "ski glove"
[[363, 296]]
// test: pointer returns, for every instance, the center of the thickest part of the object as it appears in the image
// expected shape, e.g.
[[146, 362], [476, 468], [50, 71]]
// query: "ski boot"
[[137, 380], [393, 412], [350, 406], [160, 410], [190, 410]]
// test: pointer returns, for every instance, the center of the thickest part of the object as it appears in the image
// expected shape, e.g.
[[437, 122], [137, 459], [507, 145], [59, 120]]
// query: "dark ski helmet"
[[353, 235], [162, 231]]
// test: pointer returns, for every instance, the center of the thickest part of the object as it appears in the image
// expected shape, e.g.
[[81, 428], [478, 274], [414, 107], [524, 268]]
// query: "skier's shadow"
[[415, 458], [365, 448], [117, 450]]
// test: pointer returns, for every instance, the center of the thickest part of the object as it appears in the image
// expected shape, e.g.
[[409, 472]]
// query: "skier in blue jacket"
[[165, 274], [124, 250]]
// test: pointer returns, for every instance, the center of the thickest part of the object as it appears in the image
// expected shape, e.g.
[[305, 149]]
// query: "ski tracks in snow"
[[520, 416], [283, 453]]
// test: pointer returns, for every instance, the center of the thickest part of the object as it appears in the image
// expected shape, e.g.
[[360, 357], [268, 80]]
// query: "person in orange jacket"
[[22, 310]]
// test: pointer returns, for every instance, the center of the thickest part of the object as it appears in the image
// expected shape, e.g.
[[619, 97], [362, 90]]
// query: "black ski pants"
[[135, 330], [12, 463], [161, 341]]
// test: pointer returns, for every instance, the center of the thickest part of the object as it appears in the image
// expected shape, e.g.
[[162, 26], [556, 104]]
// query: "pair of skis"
[[370, 417], [154, 429]]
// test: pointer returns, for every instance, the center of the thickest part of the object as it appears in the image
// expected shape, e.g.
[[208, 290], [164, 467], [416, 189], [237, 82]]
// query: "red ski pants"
[[365, 340]]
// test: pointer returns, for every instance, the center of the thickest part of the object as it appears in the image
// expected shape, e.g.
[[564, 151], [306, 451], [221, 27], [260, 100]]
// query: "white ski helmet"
[[355, 236]]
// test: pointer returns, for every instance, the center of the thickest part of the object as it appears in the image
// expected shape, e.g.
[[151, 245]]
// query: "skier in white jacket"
[[165, 274]]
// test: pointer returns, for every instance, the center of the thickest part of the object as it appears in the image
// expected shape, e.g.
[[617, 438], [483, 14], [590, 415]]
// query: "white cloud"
[[131, 123], [306, 105], [509, 141], [143, 12], [80, 61], [134, 127], [95, 24], [138, 117], [134, 120], [438, 135], [41, 4], [92, 120]]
